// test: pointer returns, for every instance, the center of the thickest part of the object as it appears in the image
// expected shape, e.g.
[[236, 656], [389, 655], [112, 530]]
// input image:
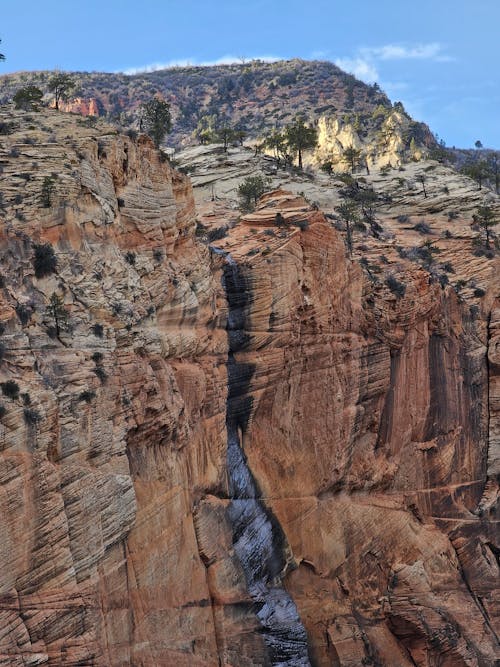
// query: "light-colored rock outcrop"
[[389, 144]]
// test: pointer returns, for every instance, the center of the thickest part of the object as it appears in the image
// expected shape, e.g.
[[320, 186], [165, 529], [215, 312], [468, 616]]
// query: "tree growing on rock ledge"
[[477, 170], [301, 137], [250, 190], [28, 98], [485, 219], [348, 212], [352, 157], [156, 119], [422, 179], [277, 143], [48, 189], [61, 84], [226, 135], [58, 314]]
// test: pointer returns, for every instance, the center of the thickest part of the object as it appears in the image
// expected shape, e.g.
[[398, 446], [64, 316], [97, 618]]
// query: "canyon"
[[250, 451]]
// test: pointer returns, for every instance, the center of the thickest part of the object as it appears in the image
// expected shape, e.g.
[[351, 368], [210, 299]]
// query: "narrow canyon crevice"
[[258, 539]]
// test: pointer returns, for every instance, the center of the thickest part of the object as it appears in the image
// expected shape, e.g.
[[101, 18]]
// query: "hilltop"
[[256, 96]]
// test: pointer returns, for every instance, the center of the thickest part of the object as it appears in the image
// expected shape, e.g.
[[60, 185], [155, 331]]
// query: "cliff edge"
[[248, 453]]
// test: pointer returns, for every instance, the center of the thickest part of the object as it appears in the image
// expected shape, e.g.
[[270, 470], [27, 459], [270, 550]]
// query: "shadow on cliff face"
[[258, 539]]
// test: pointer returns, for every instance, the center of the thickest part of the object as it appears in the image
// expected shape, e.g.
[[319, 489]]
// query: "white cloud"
[[431, 51], [364, 64], [187, 62], [362, 69]]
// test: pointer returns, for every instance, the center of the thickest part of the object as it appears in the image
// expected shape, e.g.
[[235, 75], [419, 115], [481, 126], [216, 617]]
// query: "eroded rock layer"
[[258, 540], [366, 422]]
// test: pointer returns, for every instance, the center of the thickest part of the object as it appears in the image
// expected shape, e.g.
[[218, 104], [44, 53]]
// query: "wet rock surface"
[[258, 540]]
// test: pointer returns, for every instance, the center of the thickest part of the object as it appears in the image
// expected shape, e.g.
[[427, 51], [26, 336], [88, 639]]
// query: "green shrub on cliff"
[[44, 260], [48, 189], [10, 389], [31, 416], [28, 98], [250, 190], [397, 287]]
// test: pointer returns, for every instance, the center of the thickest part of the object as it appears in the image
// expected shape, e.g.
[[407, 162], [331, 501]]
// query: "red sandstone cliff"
[[83, 106], [370, 430]]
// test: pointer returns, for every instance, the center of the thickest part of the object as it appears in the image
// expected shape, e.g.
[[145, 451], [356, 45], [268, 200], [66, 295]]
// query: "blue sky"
[[439, 57]]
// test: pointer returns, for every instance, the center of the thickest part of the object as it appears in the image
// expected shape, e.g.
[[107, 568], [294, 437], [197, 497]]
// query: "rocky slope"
[[256, 96], [250, 454]]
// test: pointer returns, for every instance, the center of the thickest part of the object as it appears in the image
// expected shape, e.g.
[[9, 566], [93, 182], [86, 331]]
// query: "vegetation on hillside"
[[479, 163], [155, 116], [253, 97]]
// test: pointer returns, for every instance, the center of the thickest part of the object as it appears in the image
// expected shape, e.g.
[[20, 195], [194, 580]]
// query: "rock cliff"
[[245, 454], [84, 107], [389, 141]]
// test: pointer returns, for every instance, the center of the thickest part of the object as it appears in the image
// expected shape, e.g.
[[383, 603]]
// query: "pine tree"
[[352, 156], [301, 137], [58, 313], [157, 119], [477, 170], [276, 142], [226, 134], [421, 178], [250, 190], [48, 189], [349, 213], [28, 98], [61, 84], [485, 218], [240, 135]]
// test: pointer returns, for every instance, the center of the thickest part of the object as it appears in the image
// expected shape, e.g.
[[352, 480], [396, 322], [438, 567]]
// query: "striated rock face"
[[254, 456], [100, 562], [257, 538], [368, 439]]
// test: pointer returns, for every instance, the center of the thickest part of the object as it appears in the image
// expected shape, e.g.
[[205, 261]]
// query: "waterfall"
[[258, 539]]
